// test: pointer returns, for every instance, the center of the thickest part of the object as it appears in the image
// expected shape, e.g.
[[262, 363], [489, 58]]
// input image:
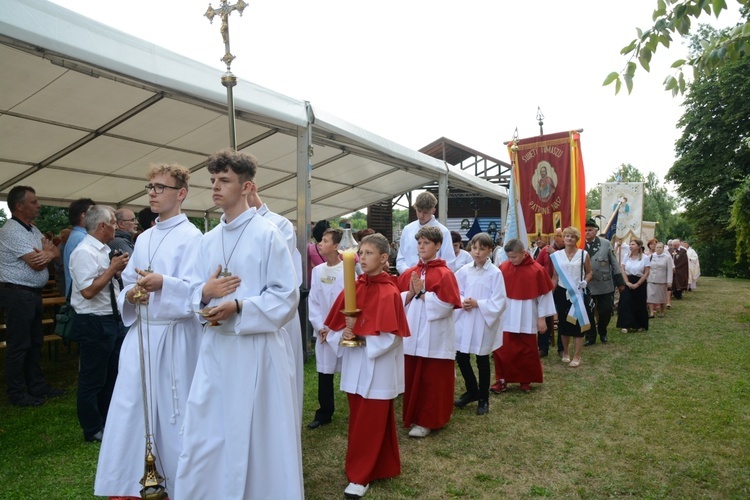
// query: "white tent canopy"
[[85, 108]]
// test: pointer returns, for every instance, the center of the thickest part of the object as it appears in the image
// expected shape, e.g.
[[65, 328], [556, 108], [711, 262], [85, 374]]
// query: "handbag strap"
[[583, 257]]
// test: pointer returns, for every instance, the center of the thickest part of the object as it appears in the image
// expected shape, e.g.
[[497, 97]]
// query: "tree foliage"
[[740, 220], [713, 160], [658, 205], [52, 219], [675, 17]]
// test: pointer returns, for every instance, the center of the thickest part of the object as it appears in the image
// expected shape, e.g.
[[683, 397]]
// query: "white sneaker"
[[419, 432], [355, 490]]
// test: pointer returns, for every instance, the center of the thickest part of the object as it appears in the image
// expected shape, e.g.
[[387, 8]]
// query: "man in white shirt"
[[407, 249], [100, 331]]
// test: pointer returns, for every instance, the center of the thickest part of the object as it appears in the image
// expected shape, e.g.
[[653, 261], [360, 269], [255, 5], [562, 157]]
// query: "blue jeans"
[[99, 341]]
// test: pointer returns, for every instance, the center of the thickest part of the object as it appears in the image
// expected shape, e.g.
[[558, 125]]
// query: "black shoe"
[[96, 437], [27, 400], [604, 339], [465, 399], [589, 342], [51, 393], [317, 423], [483, 407], [542, 354]]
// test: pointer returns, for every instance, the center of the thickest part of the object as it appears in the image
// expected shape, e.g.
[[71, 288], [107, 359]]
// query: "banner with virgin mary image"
[[551, 183]]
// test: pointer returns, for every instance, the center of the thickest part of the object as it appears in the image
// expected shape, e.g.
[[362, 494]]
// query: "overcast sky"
[[415, 70]]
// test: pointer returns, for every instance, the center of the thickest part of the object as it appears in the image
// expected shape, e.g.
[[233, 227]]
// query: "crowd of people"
[[193, 340]]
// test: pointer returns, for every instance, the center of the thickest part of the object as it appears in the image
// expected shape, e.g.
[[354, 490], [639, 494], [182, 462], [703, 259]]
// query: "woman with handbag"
[[632, 312], [572, 272]]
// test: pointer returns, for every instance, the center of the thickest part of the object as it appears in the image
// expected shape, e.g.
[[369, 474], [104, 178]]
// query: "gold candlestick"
[[357, 341]]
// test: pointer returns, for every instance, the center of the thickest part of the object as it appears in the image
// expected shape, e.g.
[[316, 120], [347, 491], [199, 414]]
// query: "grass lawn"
[[658, 414]]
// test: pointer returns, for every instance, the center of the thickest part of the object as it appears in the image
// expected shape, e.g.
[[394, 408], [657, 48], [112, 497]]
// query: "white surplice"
[[241, 438], [293, 327], [433, 331], [477, 329], [374, 371], [171, 336], [326, 283]]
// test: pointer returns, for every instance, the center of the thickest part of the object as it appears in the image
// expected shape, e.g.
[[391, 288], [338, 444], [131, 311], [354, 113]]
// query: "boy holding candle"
[[371, 374], [430, 295], [477, 324], [326, 283]]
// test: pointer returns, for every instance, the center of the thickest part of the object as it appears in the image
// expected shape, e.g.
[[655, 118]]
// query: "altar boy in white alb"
[[241, 438], [162, 268]]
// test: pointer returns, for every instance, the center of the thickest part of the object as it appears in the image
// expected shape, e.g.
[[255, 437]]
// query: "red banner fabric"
[[545, 182]]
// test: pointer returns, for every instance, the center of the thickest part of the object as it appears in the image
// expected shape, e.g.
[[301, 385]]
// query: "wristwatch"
[[421, 292]]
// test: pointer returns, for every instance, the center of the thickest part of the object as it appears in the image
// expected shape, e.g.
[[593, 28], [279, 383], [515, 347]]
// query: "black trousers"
[[325, 397], [99, 342], [482, 389], [543, 339], [24, 339], [604, 306]]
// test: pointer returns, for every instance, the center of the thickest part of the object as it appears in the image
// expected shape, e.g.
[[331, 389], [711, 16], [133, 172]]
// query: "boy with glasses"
[[156, 305]]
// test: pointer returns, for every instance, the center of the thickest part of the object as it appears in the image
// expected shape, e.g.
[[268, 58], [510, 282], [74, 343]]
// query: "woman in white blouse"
[[632, 313]]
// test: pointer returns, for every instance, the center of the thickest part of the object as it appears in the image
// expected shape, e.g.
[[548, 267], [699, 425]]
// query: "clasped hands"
[[217, 287], [469, 304], [416, 285]]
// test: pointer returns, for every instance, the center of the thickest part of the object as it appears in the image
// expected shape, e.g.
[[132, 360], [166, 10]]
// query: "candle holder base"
[[356, 341]]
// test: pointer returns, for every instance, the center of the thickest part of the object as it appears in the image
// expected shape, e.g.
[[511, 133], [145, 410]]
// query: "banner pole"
[[611, 218]]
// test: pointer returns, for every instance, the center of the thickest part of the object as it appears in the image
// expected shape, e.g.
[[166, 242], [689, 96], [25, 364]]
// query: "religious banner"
[[551, 185], [629, 196], [648, 230]]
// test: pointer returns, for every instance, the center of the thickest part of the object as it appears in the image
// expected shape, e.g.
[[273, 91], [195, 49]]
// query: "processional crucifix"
[[228, 79]]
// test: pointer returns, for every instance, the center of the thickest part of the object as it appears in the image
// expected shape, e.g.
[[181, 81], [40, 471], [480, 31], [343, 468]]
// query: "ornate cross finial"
[[540, 119], [224, 11]]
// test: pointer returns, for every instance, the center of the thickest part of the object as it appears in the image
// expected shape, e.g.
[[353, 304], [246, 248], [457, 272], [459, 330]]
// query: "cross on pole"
[[228, 79]]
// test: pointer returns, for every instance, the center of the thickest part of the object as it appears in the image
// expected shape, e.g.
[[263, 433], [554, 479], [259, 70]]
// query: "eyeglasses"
[[158, 188], [134, 219]]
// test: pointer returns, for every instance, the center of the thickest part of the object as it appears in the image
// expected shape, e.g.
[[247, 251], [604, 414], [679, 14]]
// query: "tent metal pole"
[[443, 198]]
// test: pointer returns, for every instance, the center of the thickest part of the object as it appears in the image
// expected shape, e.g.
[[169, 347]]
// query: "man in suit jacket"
[[602, 286]]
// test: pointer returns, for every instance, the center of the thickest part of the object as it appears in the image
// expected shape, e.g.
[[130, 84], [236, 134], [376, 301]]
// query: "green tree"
[[400, 218], [593, 200], [713, 161], [740, 221], [52, 219], [675, 17]]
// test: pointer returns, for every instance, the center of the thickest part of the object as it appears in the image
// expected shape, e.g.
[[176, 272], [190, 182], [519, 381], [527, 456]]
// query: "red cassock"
[[517, 361], [372, 451], [430, 382]]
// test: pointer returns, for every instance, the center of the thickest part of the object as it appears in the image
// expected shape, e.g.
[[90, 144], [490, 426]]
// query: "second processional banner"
[[551, 183]]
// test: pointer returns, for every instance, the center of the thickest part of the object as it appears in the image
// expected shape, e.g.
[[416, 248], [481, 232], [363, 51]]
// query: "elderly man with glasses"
[[127, 227]]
